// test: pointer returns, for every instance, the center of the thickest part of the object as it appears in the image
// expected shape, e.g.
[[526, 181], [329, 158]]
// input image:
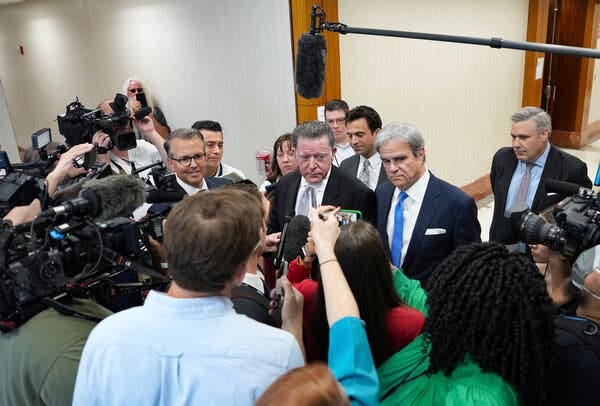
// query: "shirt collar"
[[417, 190], [318, 186], [375, 160], [189, 189], [541, 161]]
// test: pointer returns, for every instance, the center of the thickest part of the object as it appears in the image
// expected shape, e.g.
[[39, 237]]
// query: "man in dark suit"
[[362, 126], [317, 182], [186, 157], [519, 172], [421, 218]]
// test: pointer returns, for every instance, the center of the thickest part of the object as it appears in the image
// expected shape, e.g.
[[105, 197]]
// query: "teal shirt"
[[403, 380]]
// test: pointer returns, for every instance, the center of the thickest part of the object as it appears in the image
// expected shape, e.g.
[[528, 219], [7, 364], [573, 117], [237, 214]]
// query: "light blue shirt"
[[536, 174], [182, 352]]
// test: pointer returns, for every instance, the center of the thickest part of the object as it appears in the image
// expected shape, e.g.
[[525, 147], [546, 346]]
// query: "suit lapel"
[[509, 170], [292, 193], [382, 175], [550, 171], [431, 200], [331, 194]]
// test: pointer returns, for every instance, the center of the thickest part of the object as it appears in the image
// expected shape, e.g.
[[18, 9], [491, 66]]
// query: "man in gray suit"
[[362, 125]]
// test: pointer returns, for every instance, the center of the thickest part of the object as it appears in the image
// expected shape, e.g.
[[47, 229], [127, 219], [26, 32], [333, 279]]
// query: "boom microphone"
[[297, 233], [561, 188], [310, 65], [103, 199], [143, 112]]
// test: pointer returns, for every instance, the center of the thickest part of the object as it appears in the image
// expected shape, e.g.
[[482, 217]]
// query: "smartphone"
[[141, 97], [348, 216]]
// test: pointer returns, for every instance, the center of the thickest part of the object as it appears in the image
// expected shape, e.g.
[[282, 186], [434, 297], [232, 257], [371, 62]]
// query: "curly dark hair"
[[493, 305]]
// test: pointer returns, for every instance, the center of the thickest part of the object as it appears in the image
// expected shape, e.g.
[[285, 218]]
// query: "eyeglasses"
[[318, 157], [187, 160], [339, 121], [138, 90]]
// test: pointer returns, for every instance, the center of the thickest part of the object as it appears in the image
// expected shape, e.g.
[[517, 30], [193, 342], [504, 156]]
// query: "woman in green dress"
[[488, 339]]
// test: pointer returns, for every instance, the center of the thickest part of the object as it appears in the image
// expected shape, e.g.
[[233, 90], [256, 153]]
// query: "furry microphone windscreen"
[[310, 65], [119, 195]]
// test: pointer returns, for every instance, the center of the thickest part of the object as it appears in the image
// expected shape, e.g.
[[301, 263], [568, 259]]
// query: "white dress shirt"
[[319, 190], [412, 207]]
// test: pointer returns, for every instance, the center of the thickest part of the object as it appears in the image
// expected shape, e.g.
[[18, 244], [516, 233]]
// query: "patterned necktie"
[[364, 175], [306, 201], [524, 185], [398, 230]]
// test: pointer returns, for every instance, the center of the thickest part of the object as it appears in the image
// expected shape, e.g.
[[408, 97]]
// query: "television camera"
[[79, 124], [64, 252], [577, 219]]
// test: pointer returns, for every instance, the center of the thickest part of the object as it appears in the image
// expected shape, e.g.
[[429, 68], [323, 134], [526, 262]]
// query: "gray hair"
[[541, 119], [183, 134], [403, 132], [313, 130]]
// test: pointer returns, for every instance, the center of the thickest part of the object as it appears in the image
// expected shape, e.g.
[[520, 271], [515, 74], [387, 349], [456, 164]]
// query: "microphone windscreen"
[[561, 188], [297, 233], [119, 195], [310, 65], [143, 112]]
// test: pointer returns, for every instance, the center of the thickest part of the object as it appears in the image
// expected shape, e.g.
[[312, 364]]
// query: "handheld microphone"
[[143, 112], [282, 241], [297, 233], [561, 188], [160, 196], [103, 199], [310, 65]]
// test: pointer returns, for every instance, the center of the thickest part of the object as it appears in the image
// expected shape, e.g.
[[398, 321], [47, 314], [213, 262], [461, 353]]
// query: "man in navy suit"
[[317, 182], [531, 152], [433, 216], [187, 158], [362, 126]]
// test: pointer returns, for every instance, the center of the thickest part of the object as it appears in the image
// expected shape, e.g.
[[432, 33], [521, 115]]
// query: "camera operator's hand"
[[102, 140], [271, 242], [159, 255], [135, 105], [147, 126], [66, 167]]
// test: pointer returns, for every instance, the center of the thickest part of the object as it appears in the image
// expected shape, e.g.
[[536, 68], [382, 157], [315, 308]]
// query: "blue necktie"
[[398, 230]]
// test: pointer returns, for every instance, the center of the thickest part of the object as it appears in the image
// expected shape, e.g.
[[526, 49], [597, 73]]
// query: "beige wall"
[[460, 96], [225, 60], [230, 60]]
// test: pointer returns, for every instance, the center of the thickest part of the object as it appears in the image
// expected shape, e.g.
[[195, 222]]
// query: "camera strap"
[[68, 311]]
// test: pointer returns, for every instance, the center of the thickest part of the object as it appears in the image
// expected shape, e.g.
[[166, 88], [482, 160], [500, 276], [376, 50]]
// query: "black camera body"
[[576, 227], [50, 258], [79, 124]]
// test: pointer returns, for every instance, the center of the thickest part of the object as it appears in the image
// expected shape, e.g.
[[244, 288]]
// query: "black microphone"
[[279, 255], [297, 233], [310, 65], [143, 112], [161, 196], [561, 188], [103, 199]]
